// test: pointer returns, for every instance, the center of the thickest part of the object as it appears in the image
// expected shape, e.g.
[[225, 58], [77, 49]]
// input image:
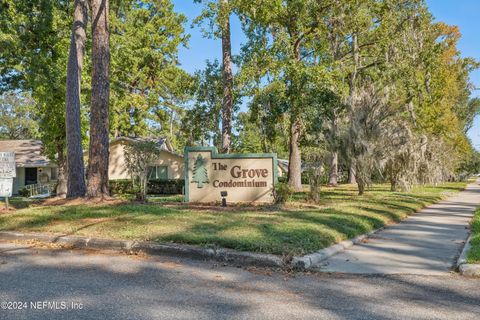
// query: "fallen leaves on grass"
[[82, 201]]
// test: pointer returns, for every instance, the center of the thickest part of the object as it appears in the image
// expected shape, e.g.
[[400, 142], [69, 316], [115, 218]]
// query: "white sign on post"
[[6, 186], [7, 173], [7, 165]]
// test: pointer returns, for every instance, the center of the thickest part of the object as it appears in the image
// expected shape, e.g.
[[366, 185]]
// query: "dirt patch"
[[43, 245], [218, 208], [171, 265], [97, 220], [5, 210], [82, 201]]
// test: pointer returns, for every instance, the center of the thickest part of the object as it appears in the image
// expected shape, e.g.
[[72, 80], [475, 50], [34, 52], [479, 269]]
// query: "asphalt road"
[[113, 286]]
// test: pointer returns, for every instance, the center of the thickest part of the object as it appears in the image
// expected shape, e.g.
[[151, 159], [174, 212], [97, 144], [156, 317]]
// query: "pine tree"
[[97, 186], [76, 169], [200, 174]]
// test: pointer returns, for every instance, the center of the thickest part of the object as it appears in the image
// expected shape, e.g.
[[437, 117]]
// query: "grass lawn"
[[293, 229], [474, 253]]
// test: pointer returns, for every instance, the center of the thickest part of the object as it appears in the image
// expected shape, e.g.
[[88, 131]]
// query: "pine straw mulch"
[[81, 201], [5, 210]]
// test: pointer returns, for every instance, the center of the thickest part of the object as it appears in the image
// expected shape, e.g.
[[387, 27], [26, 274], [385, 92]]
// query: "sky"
[[463, 13]]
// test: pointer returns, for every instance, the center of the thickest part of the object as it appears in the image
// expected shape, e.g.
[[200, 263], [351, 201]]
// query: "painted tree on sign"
[[200, 174]]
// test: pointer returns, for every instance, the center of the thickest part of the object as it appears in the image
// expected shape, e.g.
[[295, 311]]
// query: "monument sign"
[[240, 177]]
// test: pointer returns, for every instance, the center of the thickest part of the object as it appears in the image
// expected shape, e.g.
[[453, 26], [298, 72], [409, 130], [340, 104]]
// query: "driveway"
[[427, 243], [112, 286]]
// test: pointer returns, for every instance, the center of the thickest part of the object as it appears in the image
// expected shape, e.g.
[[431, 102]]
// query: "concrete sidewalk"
[[426, 243]]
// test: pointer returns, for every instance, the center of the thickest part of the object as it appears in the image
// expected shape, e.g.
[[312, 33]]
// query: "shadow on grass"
[[289, 233], [21, 202], [270, 229], [80, 216]]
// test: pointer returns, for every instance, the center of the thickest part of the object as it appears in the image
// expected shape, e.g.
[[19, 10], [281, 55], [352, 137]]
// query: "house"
[[31, 166], [35, 168], [169, 165], [283, 167]]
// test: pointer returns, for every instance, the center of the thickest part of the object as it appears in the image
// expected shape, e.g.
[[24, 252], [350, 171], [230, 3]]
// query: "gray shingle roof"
[[28, 153], [160, 142]]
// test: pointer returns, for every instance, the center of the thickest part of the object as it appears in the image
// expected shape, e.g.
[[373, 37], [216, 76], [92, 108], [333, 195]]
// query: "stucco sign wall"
[[245, 177]]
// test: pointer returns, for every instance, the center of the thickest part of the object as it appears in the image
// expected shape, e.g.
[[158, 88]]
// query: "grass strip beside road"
[[294, 229], [474, 253]]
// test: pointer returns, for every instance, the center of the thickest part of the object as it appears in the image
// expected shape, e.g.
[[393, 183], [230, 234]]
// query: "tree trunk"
[[333, 177], [227, 103], [75, 166], [98, 152], [333, 180], [294, 160], [315, 189], [351, 175], [352, 99], [361, 186], [393, 184], [61, 177]]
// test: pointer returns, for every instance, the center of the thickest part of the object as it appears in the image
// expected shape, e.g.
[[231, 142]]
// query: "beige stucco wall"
[[44, 171], [173, 162], [280, 172], [210, 191], [118, 170]]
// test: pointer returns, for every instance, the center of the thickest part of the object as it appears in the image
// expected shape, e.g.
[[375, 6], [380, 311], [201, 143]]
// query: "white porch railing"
[[40, 190]]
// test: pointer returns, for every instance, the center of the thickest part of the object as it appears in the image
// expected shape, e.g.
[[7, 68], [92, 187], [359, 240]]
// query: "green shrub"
[[24, 192], [283, 179], [305, 178], [174, 186], [283, 193], [124, 186]]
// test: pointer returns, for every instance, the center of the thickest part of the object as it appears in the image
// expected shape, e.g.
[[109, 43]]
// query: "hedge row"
[[166, 186], [153, 186], [284, 179]]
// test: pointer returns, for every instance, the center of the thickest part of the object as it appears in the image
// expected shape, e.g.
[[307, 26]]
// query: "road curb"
[[462, 259], [307, 262], [470, 270], [151, 248], [313, 260], [467, 269]]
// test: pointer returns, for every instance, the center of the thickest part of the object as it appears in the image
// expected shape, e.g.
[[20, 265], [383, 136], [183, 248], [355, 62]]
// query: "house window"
[[53, 174], [31, 176], [158, 173]]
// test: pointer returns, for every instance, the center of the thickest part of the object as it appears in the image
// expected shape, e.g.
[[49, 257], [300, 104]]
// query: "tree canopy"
[[374, 90]]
